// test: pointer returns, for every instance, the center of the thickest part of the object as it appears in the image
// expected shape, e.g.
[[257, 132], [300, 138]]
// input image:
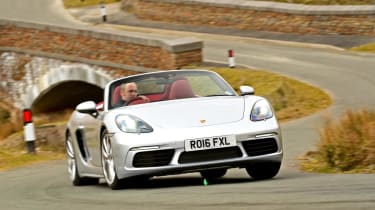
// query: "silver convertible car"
[[193, 122]]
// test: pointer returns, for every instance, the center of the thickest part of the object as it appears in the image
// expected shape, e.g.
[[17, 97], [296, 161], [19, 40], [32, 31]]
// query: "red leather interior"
[[116, 97], [181, 89], [100, 106]]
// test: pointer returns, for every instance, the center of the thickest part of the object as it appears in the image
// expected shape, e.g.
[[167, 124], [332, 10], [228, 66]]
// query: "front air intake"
[[153, 158], [260, 146], [210, 155]]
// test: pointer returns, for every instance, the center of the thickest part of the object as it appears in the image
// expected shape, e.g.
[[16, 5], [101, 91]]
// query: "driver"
[[128, 93]]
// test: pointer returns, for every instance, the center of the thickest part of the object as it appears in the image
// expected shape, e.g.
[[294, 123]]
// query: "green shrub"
[[4, 116]]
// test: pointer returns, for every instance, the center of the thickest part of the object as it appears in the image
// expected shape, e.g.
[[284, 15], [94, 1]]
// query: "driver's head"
[[128, 91]]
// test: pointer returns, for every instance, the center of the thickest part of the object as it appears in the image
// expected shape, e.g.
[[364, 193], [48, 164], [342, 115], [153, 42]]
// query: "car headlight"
[[261, 111], [132, 124]]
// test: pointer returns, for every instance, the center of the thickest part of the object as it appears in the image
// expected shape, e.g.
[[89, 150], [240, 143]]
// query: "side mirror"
[[246, 90], [87, 107]]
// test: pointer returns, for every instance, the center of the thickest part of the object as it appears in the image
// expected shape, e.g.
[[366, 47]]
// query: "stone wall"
[[111, 47], [23, 77], [263, 16]]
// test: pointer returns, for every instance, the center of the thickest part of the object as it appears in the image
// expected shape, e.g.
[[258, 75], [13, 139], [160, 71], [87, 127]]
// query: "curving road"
[[348, 77]]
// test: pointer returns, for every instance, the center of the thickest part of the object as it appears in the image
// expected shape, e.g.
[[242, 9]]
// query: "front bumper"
[[135, 157]]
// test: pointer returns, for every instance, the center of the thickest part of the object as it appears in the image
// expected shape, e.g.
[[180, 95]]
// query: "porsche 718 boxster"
[[193, 121]]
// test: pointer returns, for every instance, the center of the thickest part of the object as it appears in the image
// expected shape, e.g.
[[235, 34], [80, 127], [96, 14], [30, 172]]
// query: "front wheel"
[[263, 170], [74, 176], [108, 164]]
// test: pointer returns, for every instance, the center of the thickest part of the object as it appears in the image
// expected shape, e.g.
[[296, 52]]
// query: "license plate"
[[210, 143]]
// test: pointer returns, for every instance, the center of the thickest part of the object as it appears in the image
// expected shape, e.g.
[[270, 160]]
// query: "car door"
[[90, 135]]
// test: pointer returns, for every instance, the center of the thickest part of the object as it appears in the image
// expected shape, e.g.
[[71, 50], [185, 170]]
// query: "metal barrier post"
[[103, 11], [29, 131], [231, 60]]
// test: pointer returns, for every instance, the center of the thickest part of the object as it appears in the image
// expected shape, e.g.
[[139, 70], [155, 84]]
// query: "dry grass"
[[49, 141], [8, 128], [8, 123], [4, 115], [82, 3], [53, 117], [12, 159], [365, 48], [291, 99], [346, 146], [49, 146], [326, 2]]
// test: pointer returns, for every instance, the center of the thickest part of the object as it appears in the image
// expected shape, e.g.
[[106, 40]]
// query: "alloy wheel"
[[72, 169], [107, 160]]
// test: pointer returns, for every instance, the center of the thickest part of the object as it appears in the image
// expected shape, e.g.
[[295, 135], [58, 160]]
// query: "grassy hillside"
[[326, 2], [81, 3], [291, 99], [365, 48]]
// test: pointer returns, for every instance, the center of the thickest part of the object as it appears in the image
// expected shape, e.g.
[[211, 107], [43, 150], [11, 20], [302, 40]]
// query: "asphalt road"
[[348, 77], [42, 11]]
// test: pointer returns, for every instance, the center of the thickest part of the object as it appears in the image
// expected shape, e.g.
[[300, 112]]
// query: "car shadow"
[[177, 181]]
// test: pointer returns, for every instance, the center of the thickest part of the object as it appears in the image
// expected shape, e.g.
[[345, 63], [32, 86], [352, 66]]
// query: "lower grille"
[[153, 158], [210, 155], [260, 147]]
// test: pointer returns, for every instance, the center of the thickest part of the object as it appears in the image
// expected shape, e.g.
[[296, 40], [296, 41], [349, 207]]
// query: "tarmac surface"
[[349, 77], [91, 14]]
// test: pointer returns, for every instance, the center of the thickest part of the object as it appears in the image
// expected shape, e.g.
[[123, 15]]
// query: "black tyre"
[[263, 170], [73, 171], [213, 174]]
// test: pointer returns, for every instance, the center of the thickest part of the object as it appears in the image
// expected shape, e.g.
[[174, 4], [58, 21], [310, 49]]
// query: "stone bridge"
[[49, 68]]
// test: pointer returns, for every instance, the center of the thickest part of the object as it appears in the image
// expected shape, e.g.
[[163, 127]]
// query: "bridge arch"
[[65, 86]]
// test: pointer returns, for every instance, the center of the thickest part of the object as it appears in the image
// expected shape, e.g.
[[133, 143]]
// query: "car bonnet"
[[193, 112]]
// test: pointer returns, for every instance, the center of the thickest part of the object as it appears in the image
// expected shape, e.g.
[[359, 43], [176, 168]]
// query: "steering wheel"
[[136, 100]]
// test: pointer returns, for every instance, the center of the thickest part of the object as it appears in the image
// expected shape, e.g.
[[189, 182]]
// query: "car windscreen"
[[161, 86]]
